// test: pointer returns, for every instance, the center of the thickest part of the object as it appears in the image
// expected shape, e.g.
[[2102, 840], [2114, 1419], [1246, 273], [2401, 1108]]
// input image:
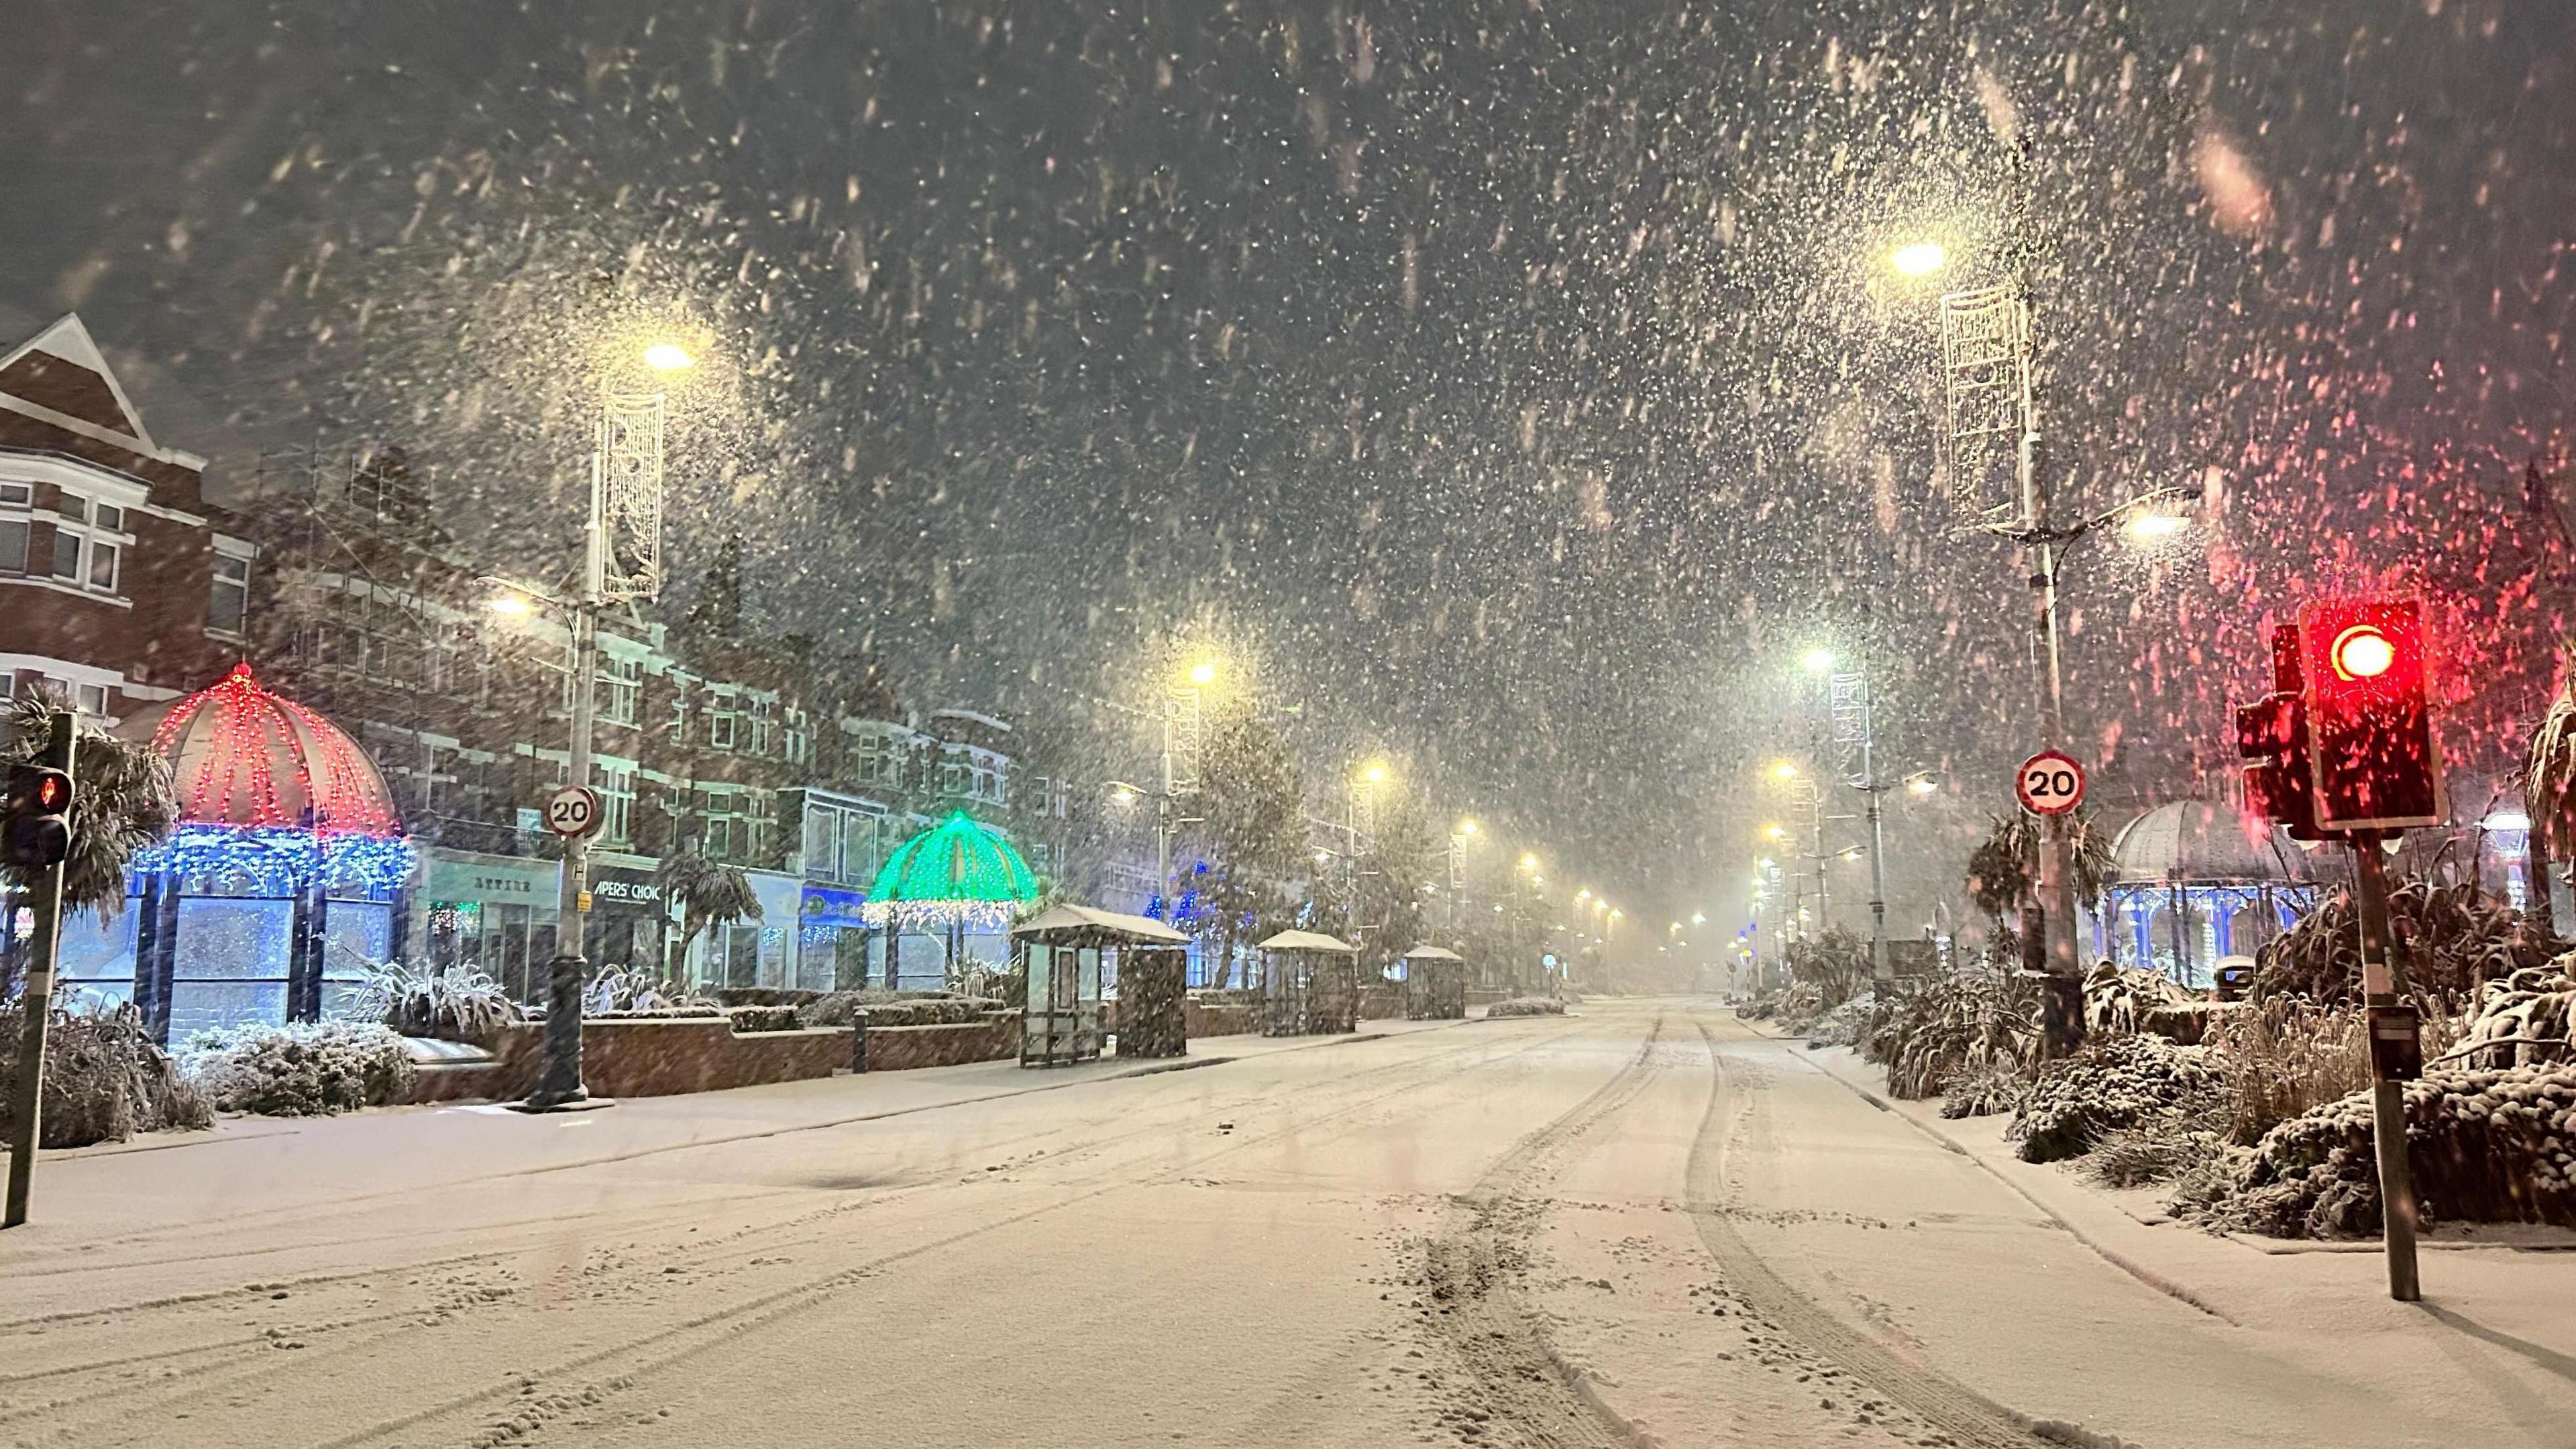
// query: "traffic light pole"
[[27, 1090], [2382, 988]]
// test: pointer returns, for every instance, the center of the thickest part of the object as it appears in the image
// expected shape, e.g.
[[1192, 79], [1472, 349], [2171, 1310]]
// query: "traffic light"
[[2372, 760], [34, 831], [2272, 732]]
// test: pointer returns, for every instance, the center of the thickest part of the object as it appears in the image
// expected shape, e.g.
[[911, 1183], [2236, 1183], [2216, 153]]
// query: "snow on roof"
[[1139, 930], [1307, 941], [1432, 953]]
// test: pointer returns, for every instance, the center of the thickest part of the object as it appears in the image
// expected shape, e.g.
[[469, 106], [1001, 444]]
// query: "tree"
[[2003, 873], [708, 894], [123, 801], [2549, 797], [1395, 864], [1251, 829]]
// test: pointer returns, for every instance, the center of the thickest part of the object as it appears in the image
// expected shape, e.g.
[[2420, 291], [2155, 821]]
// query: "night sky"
[[1518, 387]]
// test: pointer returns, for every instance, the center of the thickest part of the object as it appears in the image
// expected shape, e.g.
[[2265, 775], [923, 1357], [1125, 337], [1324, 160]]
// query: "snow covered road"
[[1643, 1224]]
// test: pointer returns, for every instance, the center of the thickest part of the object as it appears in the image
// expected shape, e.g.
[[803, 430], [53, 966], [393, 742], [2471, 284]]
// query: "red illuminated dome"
[[243, 756]]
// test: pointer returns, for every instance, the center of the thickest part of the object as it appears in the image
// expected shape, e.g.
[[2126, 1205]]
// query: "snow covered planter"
[[302, 1069], [2115, 1083], [105, 1080], [2486, 1145], [1526, 1006]]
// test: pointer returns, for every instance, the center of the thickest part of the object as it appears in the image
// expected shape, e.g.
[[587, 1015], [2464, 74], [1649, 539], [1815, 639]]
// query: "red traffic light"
[[33, 833], [2365, 684]]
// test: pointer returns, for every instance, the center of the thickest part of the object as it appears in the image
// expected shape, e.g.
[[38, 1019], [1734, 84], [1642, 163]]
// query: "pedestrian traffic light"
[[2372, 759], [2272, 733], [34, 831]]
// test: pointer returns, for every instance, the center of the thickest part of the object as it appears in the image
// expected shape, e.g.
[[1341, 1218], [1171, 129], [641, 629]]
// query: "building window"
[[677, 726], [13, 545], [622, 695], [725, 834], [764, 726], [616, 786], [880, 758], [91, 699], [724, 717], [760, 837], [67, 552], [88, 553], [800, 738], [228, 596]]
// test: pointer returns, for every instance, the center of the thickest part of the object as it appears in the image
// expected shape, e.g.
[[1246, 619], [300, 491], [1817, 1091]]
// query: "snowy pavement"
[[1644, 1224]]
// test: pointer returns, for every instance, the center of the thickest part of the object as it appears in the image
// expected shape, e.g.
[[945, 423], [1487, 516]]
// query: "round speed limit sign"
[[2050, 783], [572, 810]]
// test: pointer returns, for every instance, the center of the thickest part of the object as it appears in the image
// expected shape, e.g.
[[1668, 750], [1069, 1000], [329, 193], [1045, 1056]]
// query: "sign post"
[[45, 901], [572, 811], [2050, 783]]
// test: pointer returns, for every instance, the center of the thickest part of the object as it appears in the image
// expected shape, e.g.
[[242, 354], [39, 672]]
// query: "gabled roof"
[[62, 371], [1308, 941], [1139, 930], [1432, 953]]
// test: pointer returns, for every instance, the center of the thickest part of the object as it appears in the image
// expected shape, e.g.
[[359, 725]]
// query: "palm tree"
[[123, 801], [2549, 797], [708, 893], [2003, 871]]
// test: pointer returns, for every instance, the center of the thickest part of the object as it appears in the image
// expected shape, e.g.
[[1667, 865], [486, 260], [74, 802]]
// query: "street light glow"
[[1466, 827], [667, 357], [1784, 771], [1918, 259], [1529, 862], [1203, 672], [1820, 661], [514, 606], [1775, 832], [1375, 774], [2156, 527]]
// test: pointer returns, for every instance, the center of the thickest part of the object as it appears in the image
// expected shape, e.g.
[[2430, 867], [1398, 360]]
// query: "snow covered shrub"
[[302, 1069], [2116, 1082], [761, 1018], [1985, 1091], [626, 990], [105, 1079], [2455, 939], [2486, 1145], [933, 1011], [1935, 1031], [2118, 1002], [1846, 1024], [455, 1003], [2279, 1058], [2526, 1018], [1526, 1006], [2161, 1149]]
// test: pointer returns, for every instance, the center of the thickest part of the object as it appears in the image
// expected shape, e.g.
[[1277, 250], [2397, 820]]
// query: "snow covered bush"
[[625, 989], [456, 1003], [2116, 1082], [2486, 1145], [302, 1069], [1846, 1024], [761, 1018], [2524, 1019], [1985, 1091], [1933, 1032], [1526, 1006], [105, 1079], [933, 1011], [2118, 1002], [2456, 939]]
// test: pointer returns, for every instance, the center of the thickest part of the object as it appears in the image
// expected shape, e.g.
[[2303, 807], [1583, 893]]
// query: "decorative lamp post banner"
[[627, 496]]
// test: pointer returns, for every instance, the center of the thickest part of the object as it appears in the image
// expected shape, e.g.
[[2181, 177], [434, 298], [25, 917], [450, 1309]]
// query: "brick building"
[[120, 586]]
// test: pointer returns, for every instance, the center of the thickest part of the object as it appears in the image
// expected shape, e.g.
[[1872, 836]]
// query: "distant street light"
[[1203, 672], [2156, 526], [1918, 259], [1819, 661], [512, 605], [1784, 771], [667, 357]]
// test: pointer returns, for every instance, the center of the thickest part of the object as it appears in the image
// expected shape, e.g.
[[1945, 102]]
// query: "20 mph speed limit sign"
[[572, 810], [2050, 783]]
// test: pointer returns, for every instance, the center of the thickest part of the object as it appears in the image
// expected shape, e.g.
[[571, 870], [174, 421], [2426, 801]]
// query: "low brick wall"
[[648, 1059], [903, 1048], [1202, 1020]]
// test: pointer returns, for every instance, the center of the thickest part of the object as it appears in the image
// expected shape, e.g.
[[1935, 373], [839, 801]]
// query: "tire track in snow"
[[1473, 1313], [1935, 1401]]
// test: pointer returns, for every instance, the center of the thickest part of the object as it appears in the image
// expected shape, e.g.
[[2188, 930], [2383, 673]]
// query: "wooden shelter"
[[1060, 950], [1310, 984], [1435, 984]]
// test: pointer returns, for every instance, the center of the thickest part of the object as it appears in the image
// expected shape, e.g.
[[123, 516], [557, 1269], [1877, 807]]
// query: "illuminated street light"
[[1203, 672], [2156, 527], [1375, 774], [1466, 827], [667, 357], [1918, 259], [513, 606], [1775, 832], [1529, 862], [1819, 661], [1784, 771]]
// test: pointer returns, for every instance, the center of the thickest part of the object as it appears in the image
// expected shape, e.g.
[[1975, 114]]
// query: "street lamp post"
[[626, 497]]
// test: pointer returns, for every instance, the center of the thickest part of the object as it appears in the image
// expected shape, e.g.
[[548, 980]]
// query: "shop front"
[[627, 914], [832, 939], [496, 912]]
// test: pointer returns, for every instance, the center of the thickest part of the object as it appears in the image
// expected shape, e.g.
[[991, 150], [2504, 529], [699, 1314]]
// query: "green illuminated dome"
[[955, 871]]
